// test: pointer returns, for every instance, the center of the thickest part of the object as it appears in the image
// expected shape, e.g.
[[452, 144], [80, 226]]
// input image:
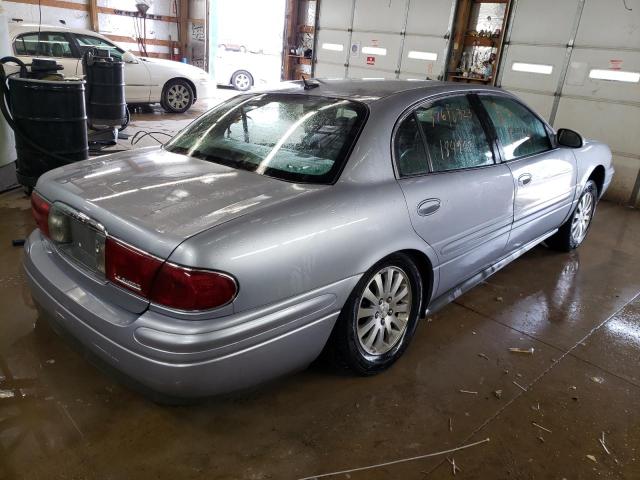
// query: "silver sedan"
[[321, 217]]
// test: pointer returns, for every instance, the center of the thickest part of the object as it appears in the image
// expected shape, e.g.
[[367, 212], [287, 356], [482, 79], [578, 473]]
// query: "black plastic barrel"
[[106, 106], [52, 115]]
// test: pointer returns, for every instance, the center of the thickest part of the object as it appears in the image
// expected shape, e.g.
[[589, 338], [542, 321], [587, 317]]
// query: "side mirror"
[[569, 138], [129, 57]]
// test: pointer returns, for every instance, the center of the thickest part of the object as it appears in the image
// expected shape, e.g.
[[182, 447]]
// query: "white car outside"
[[174, 85], [245, 70]]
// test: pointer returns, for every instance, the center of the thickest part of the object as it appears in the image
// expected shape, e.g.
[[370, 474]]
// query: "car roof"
[[21, 27], [371, 90]]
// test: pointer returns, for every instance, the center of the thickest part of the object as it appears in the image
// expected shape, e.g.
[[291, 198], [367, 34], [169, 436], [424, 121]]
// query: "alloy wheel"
[[242, 81], [582, 218], [384, 310], [178, 97]]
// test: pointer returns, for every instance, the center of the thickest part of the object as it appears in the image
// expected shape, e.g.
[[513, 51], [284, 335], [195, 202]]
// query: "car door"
[[460, 199], [544, 177], [137, 77], [54, 45]]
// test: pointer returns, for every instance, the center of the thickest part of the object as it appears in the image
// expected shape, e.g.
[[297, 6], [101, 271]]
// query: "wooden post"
[[93, 15], [183, 25]]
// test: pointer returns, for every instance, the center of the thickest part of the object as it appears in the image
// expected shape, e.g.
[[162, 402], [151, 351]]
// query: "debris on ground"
[[573, 387], [592, 458], [505, 371], [536, 407], [498, 394], [519, 386], [541, 439], [470, 392], [51, 361], [450, 424], [482, 355], [604, 445], [454, 468], [541, 427], [597, 379], [528, 351], [499, 299]]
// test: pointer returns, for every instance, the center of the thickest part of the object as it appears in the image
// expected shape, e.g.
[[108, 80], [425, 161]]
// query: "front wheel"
[[177, 96], [573, 232], [379, 318], [242, 80]]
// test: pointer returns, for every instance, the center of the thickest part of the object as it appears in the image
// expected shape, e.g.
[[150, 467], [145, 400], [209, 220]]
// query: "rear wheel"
[[379, 318], [177, 96], [573, 232], [242, 80]]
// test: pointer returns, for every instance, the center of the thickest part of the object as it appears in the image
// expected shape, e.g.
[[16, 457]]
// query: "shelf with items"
[[477, 40], [300, 30]]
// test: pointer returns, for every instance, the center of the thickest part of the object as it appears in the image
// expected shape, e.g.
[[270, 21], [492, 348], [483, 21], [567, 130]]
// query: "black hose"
[[5, 108]]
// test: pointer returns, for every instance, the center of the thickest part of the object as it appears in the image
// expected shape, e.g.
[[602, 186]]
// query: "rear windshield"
[[300, 138]]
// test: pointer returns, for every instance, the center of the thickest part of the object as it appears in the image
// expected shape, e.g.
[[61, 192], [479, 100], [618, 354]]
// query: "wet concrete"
[[62, 418]]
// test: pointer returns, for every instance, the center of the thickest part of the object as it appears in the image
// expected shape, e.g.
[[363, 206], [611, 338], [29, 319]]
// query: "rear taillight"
[[189, 289], [165, 283], [129, 267], [40, 210]]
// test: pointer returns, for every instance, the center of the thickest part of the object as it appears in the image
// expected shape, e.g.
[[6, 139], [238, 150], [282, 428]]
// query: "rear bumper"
[[185, 358]]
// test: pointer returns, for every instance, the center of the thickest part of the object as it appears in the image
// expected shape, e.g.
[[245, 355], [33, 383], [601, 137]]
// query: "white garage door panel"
[[332, 38], [327, 70], [606, 23], [380, 15], [543, 21], [627, 170], [420, 46], [370, 73], [335, 14], [583, 60], [429, 17], [611, 123], [389, 42], [533, 81], [540, 103]]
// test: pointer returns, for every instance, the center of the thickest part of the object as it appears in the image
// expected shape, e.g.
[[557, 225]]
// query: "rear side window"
[[411, 156], [454, 135], [520, 132], [44, 44]]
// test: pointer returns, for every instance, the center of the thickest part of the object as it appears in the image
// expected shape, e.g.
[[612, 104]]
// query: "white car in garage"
[[174, 85]]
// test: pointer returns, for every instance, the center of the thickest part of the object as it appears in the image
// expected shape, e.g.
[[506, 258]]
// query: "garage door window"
[[520, 132], [455, 137], [46, 44]]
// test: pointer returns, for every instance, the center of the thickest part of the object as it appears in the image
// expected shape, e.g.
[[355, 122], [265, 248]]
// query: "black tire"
[[177, 96], [564, 239], [344, 348], [242, 80]]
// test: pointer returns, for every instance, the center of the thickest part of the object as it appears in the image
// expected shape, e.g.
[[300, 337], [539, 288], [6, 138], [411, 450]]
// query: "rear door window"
[[454, 135], [519, 131], [43, 44], [411, 156]]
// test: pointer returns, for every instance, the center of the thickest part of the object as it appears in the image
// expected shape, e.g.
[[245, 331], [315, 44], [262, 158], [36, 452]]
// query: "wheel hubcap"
[[242, 81], [582, 218], [384, 310], [178, 97]]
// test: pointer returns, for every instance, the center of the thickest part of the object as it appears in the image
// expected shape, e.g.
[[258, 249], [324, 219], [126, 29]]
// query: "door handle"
[[428, 206], [524, 179]]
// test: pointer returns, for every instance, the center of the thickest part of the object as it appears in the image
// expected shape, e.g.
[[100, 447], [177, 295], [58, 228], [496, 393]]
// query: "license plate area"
[[78, 237]]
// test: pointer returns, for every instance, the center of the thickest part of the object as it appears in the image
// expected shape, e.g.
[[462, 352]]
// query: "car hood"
[[154, 199]]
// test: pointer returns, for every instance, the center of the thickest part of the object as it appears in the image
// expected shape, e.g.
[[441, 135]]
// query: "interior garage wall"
[[383, 38], [574, 37]]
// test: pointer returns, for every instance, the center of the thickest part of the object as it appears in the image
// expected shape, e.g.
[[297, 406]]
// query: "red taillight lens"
[[187, 289], [40, 210], [130, 268]]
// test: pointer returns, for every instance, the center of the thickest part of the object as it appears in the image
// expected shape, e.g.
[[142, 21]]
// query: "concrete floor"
[[62, 418]]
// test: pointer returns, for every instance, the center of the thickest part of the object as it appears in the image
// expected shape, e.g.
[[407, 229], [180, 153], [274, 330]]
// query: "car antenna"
[[309, 85]]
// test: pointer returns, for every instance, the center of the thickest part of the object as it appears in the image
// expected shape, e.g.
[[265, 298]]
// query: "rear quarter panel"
[[588, 157]]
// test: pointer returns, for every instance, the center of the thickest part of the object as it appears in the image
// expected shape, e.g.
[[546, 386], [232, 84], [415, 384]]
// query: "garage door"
[[578, 63], [383, 38]]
